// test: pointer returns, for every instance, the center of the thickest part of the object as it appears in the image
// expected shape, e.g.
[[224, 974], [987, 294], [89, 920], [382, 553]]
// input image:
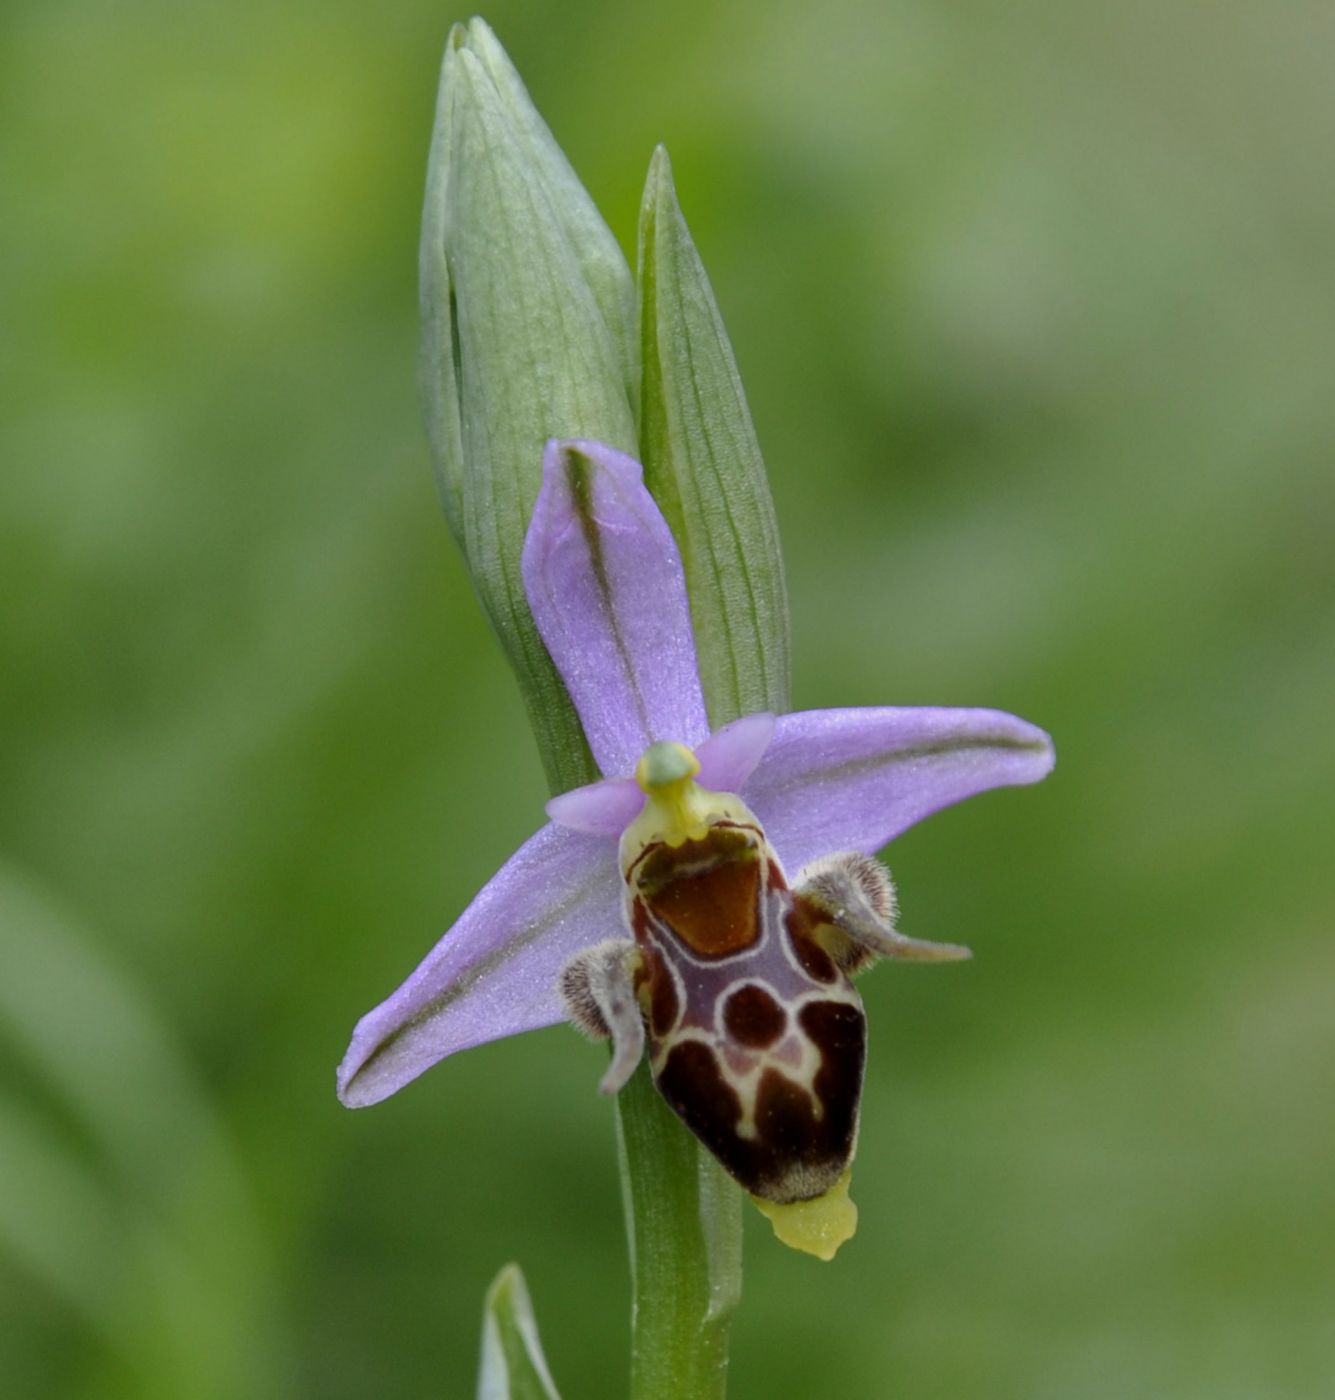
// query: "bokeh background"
[[1035, 305]]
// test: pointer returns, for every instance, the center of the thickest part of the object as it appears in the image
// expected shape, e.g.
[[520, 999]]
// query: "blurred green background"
[[1036, 309]]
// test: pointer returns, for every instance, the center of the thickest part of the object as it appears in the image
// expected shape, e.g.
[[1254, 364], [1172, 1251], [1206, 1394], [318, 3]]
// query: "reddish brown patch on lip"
[[707, 892], [803, 920], [664, 1005], [753, 1018]]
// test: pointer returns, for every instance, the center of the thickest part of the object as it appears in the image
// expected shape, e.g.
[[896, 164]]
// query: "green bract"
[[702, 464]]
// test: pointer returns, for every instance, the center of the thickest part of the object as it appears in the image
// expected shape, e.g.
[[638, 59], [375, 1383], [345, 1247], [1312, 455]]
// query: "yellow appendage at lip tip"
[[816, 1227]]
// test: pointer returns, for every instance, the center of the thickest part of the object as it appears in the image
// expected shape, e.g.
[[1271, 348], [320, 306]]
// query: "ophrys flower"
[[655, 906]]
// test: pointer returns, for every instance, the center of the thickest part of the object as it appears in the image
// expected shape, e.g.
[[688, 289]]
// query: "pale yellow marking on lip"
[[816, 1227]]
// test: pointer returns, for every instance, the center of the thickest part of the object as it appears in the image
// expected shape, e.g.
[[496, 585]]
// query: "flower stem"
[[684, 1220]]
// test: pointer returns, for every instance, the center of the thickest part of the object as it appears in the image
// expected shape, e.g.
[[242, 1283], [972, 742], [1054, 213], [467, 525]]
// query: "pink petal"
[[728, 758], [605, 583], [494, 973], [600, 809], [839, 780]]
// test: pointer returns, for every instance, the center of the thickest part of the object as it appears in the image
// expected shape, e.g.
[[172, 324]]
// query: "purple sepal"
[[841, 780], [605, 583], [494, 973]]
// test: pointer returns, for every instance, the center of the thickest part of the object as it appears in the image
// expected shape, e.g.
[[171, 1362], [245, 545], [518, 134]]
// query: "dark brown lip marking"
[[664, 1004], [753, 1018], [693, 1084]]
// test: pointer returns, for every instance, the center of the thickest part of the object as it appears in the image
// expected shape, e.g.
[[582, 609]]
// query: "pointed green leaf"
[[702, 462], [513, 1366]]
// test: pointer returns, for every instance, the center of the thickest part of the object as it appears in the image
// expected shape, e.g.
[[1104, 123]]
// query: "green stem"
[[684, 1220]]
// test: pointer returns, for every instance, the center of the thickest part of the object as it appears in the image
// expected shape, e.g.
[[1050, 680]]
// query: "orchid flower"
[[685, 845]]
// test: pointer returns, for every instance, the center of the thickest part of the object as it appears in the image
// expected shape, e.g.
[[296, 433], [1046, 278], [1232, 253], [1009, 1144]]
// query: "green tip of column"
[[664, 763]]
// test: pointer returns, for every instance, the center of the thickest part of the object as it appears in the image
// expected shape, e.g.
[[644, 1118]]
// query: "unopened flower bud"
[[528, 312]]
